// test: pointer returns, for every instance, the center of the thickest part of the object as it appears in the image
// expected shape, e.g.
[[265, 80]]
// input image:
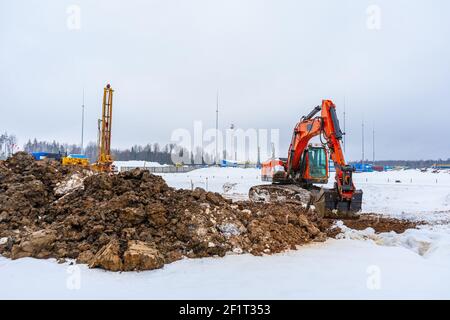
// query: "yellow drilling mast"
[[105, 161]]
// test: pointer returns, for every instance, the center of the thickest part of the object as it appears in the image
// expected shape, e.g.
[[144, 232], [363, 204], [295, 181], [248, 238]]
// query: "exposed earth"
[[135, 221]]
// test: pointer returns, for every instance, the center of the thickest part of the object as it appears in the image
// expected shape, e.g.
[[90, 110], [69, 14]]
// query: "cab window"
[[317, 162]]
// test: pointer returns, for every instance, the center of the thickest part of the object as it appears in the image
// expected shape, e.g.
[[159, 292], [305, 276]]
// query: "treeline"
[[414, 164], [52, 147], [150, 152], [163, 155], [154, 152]]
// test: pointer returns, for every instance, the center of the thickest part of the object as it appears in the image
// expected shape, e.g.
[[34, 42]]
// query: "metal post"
[[345, 131], [362, 140], [373, 145], [233, 149], [217, 127], [82, 125]]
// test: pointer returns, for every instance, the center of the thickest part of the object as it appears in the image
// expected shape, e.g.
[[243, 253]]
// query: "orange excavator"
[[294, 178]]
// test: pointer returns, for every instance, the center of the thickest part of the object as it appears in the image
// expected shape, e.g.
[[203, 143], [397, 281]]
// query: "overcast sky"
[[273, 61]]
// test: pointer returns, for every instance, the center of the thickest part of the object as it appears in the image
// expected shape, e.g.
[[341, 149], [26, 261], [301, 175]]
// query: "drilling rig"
[[105, 162]]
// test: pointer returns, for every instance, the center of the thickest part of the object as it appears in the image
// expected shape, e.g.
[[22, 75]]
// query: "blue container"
[[228, 163], [77, 156], [39, 155], [366, 167], [46, 155]]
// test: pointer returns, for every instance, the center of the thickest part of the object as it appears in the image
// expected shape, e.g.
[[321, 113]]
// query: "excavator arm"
[[333, 135]]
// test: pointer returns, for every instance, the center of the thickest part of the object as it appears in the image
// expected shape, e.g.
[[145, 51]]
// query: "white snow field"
[[137, 163], [360, 265]]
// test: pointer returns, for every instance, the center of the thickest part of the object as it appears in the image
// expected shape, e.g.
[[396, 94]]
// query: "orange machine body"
[[297, 167]]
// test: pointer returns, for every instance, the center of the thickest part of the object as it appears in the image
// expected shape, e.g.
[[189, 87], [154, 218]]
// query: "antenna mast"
[[345, 131], [362, 141], [373, 144], [217, 127], [82, 124]]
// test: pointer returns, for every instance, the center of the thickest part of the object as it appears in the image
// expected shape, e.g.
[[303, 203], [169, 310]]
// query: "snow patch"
[[74, 182], [228, 186], [229, 229], [238, 250], [428, 243]]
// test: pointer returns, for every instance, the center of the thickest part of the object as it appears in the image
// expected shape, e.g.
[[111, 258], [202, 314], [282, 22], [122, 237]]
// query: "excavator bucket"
[[329, 205], [276, 193], [326, 201]]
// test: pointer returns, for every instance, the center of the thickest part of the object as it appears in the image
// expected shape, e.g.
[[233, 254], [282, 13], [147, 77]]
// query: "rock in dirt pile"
[[133, 220]]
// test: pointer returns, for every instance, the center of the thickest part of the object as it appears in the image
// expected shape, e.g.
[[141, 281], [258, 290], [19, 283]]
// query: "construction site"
[[64, 208], [303, 222]]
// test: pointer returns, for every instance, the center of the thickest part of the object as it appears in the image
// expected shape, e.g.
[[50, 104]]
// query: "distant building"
[[363, 167], [379, 168], [236, 164], [441, 166], [228, 163]]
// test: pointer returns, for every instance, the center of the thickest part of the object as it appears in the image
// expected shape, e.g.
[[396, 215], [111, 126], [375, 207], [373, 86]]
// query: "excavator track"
[[325, 201]]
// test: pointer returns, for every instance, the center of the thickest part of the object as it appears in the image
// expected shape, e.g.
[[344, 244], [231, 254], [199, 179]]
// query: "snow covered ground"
[[415, 195], [361, 265], [336, 269], [137, 164]]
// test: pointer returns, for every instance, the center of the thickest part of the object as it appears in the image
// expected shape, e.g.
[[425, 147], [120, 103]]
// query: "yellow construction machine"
[[75, 160], [105, 162]]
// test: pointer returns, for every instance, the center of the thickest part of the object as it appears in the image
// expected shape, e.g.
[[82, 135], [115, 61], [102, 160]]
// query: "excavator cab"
[[318, 164], [315, 162]]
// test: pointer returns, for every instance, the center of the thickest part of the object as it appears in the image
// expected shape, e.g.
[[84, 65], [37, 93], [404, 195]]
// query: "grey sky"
[[272, 60]]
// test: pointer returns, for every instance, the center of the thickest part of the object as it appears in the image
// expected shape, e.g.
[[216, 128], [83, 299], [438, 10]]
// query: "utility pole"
[[233, 151], [82, 125], [232, 143], [217, 127], [362, 140], [373, 145], [345, 132], [258, 150]]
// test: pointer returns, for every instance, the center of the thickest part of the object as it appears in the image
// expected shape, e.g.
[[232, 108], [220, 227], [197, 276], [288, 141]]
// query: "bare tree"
[[8, 145]]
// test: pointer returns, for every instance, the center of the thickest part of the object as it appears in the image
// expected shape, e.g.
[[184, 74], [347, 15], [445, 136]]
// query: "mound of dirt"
[[133, 220], [375, 221], [381, 224]]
